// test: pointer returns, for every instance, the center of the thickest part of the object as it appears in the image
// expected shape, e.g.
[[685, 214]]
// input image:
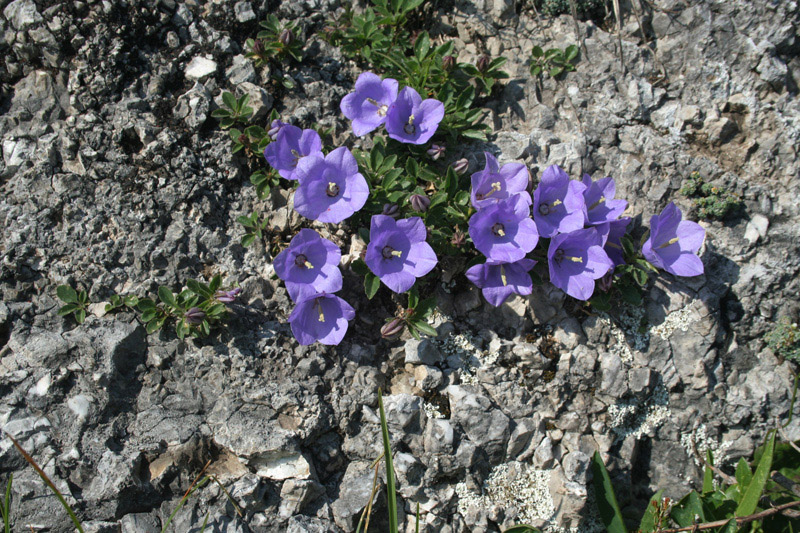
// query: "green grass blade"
[[205, 522], [183, 502], [49, 483], [607, 504], [743, 476], [708, 474], [391, 496], [756, 487], [417, 528]]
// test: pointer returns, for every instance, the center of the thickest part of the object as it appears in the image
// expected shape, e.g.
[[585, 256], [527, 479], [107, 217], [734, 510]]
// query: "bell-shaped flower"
[[411, 119], [397, 252], [320, 317], [291, 144], [674, 243], [599, 203], [495, 183], [612, 233], [558, 203], [331, 188], [309, 263], [368, 105], [498, 281], [503, 231], [576, 260]]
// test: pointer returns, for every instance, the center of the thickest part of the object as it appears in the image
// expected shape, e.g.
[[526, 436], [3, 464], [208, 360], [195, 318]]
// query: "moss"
[[712, 202], [784, 340], [553, 8]]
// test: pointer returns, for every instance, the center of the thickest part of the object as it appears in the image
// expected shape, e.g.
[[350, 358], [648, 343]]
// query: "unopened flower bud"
[[483, 63], [194, 316], [258, 47], [227, 297], [392, 329], [448, 63], [274, 128], [606, 281], [243, 139], [419, 202], [391, 210], [286, 37], [461, 166], [435, 151]]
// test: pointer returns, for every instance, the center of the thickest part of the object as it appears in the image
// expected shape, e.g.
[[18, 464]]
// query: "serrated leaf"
[[648, 523], [66, 294], [607, 505], [601, 301], [371, 285], [756, 486]]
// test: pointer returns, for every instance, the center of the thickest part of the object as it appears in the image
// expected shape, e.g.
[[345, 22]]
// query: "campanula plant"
[[495, 183], [576, 260], [290, 145], [369, 104], [498, 281], [674, 243], [331, 188], [309, 261], [320, 317], [504, 231], [398, 253], [558, 203]]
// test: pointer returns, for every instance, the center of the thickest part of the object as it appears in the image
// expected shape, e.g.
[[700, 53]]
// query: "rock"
[[613, 380], [295, 494], [240, 71], [244, 12], [428, 377], [773, 71], [139, 523], [756, 228], [354, 493], [485, 426], [513, 146], [438, 436], [260, 100], [544, 457], [18, 152], [720, 130], [183, 16], [200, 67], [403, 412], [422, 352], [22, 13], [521, 436], [193, 106]]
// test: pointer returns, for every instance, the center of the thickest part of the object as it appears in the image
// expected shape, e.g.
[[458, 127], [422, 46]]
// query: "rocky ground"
[[115, 178]]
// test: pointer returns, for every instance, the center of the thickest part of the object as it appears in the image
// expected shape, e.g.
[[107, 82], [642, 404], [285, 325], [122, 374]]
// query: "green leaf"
[[607, 505], [145, 304], [221, 113], [521, 528], [216, 281], [229, 100], [424, 327], [648, 523], [640, 276], [555, 71], [152, 326], [708, 474], [630, 294], [360, 267], [131, 300], [689, 508], [80, 316], [67, 309], [66, 294], [166, 296], [248, 239], [422, 45], [571, 52], [537, 52], [756, 486], [743, 475], [601, 301], [371, 285], [149, 314]]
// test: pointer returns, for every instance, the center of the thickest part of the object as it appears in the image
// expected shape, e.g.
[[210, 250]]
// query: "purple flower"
[[331, 188], [397, 252], [498, 281], [576, 260], [599, 204], [504, 231], [274, 128], [612, 233], [558, 203], [320, 317], [309, 264], [412, 120], [673, 243], [368, 105], [194, 316], [290, 145], [495, 183], [228, 296]]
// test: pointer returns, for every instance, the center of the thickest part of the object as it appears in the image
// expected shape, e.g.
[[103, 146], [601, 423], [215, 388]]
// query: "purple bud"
[[274, 128], [392, 329], [448, 63], [286, 37], [606, 281], [483, 63], [435, 151], [194, 316], [258, 47], [391, 210], [461, 166], [229, 296], [419, 202]]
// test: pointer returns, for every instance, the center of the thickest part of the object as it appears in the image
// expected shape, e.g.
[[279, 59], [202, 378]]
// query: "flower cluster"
[[331, 189], [582, 221]]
